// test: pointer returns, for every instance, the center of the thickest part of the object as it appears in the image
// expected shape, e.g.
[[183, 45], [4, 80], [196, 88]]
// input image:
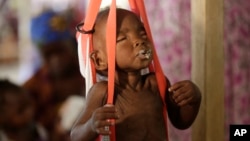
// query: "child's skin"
[[137, 108]]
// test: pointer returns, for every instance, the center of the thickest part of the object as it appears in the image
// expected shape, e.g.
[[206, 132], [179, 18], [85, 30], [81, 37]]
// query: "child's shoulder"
[[99, 86], [98, 92], [150, 77]]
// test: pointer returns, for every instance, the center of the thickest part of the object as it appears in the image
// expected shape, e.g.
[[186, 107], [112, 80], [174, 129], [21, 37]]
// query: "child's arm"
[[183, 101], [94, 117]]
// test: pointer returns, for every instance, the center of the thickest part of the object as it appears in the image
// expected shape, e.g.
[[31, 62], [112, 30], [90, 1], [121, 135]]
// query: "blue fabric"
[[44, 31]]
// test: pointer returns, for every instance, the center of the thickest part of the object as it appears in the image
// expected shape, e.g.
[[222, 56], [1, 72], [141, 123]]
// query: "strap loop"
[[78, 28]]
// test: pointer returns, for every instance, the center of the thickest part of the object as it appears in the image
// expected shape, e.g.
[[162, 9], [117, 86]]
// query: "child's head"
[[60, 57], [51, 33], [16, 110], [133, 48]]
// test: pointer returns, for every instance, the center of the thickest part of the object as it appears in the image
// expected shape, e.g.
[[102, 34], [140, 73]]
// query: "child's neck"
[[129, 80]]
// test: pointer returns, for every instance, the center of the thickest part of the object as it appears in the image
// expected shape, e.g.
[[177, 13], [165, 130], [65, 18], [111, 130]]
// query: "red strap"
[[133, 7], [111, 45], [94, 6], [92, 11]]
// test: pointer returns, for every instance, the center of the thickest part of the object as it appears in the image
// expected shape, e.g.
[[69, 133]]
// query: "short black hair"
[[8, 86]]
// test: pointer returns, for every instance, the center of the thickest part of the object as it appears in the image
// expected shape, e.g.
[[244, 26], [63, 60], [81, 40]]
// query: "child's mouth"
[[145, 54]]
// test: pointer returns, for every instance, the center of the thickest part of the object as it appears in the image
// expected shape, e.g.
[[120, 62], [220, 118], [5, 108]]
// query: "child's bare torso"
[[141, 115]]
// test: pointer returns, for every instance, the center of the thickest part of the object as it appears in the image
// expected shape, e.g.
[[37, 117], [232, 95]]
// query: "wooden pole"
[[208, 68]]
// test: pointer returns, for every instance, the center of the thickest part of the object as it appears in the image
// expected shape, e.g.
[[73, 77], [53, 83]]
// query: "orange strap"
[[92, 11], [137, 6], [110, 45]]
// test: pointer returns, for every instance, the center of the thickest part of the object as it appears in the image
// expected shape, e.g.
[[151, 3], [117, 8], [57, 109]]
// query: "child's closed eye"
[[143, 34], [121, 38]]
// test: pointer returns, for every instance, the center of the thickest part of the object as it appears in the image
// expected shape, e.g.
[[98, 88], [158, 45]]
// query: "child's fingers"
[[102, 123], [103, 130], [181, 94], [102, 117], [107, 109], [180, 84], [184, 102], [180, 97], [178, 92], [176, 86], [102, 127], [104, 113], [109, 105], [105, 116]]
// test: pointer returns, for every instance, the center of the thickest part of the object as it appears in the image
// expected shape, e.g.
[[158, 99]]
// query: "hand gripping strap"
[[85, 47]]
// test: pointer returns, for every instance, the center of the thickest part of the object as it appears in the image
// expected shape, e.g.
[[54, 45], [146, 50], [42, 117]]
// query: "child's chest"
[[140, 114], [143, 105]]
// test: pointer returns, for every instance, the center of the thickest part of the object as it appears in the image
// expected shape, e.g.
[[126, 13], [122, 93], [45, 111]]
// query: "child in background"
[[138, 107], [17, 115], [58, 78]]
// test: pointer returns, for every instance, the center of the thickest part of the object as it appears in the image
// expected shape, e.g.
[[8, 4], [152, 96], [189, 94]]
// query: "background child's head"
[[52, 34], [16, 108]]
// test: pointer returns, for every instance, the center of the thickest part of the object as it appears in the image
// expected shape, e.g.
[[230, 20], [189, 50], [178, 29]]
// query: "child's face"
[[133, 48], [59, 57], [17, 110]]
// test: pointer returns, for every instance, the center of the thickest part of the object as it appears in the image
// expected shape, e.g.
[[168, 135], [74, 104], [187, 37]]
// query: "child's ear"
[[99, 62]]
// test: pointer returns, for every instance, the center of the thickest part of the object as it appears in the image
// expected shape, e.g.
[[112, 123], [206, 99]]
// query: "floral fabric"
[[237, 63], [170, 25]]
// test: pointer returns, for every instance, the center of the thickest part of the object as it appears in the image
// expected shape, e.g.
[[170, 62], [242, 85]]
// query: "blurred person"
[[17, 115], [59, 76]]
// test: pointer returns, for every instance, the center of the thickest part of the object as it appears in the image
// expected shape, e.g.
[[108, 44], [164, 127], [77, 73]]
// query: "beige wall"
[[208, 69]]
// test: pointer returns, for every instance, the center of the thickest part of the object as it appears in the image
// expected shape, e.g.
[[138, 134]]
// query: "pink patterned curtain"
[[237, 67], [171, 24]]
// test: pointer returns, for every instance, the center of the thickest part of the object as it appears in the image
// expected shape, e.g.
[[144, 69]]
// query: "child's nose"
[[138, 43]]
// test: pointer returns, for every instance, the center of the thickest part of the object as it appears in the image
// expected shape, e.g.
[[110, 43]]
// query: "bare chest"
[[140, 116]]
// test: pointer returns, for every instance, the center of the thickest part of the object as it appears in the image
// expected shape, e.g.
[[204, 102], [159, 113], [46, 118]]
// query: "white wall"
[[119, 3]]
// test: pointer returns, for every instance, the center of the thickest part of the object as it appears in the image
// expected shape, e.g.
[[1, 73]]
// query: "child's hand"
[[101, 119], [185, 92]]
